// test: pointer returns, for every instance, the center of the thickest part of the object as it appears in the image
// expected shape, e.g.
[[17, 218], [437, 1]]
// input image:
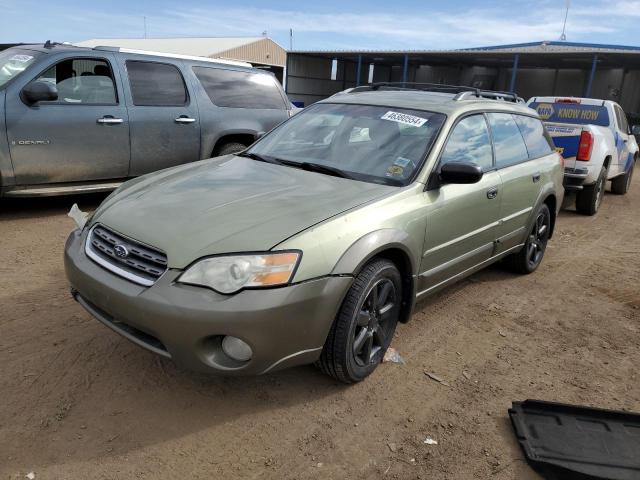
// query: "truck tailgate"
[[566, 138]]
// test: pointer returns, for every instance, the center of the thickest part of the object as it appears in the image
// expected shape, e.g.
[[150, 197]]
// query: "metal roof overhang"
[[559, 59]]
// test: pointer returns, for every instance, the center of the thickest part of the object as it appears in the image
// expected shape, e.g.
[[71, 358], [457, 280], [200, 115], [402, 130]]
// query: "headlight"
[[229, 274]]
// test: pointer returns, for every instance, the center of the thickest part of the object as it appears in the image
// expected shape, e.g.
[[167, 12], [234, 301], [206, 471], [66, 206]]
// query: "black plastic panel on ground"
[[569, 442]]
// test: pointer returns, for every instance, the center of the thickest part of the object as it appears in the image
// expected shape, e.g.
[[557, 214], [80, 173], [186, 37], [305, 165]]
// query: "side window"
[[507, 140], [235, 89], [534, 136], [622, 119], [156, 84], [85, 81], [469, 142]]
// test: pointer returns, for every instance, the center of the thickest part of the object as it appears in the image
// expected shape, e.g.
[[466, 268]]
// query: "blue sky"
[[328, 24]]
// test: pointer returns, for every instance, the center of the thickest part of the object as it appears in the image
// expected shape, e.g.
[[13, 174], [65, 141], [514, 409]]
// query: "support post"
[[405, 70], [592, 75], [514, 73], [359, 70]]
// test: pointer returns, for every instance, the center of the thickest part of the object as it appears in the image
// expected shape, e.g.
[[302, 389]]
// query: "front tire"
[[589, 199], [529, 258], [365, 324], [620, 185]]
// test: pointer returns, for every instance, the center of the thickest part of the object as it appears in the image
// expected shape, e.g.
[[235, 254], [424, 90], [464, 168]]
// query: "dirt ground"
[[79, 401]]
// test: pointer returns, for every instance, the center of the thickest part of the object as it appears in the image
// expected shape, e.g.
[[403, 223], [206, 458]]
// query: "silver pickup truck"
[[78, 119]]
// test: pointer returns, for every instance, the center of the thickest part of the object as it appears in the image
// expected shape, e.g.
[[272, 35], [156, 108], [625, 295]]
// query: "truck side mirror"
[[635, 130], [39, 92], [460, 172]]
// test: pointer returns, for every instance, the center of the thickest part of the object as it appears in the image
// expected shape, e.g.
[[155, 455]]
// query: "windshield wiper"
[[317, 167], [255, 156]]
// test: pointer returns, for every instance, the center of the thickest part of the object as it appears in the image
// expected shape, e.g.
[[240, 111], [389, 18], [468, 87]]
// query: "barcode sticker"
[[404, 119]]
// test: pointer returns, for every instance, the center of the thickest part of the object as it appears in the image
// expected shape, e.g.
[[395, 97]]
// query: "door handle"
[[185, 119], [536, 177], [109, 120], [492, 193]]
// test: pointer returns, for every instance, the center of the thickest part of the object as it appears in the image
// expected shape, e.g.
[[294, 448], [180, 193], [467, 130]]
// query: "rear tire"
[[620, 185], [229, 148], [589, 199], [365, 324], [529, 258]]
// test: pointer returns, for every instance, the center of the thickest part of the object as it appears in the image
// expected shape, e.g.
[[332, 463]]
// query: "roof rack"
[[172, 55], [461, 92]]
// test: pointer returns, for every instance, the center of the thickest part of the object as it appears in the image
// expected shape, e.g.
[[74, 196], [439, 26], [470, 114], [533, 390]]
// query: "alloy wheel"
[[537, 240], [374, 322]]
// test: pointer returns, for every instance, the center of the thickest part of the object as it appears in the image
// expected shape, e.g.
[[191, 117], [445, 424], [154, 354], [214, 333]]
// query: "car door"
[[82, 136], [622, 137], [461, 225], [164, 119], [520, 172]]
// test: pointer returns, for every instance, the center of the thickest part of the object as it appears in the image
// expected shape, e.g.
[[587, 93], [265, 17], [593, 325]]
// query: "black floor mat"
[[566, 442]]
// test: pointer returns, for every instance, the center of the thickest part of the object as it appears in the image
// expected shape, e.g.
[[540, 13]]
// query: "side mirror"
[[39, 92], [459, 172], [635, 130], [260, 135]]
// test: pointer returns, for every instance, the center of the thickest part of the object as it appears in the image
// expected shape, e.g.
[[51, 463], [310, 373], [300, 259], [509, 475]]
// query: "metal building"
[[530, 69], [261, 52]]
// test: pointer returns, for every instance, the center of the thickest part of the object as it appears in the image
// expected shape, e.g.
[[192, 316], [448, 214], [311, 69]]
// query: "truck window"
[[86, 81], [535, 138], [621, 117], [507, 140], [574, 113], [156, 84], [234, 89]]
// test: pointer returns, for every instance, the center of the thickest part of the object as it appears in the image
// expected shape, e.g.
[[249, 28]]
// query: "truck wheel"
[[529, 258], [620, 185], [229, 148], [589, 199], [364, 326]]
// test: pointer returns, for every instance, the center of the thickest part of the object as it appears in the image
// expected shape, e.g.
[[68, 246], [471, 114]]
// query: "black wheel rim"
[[537, 240], [600, 192], [375, 322]]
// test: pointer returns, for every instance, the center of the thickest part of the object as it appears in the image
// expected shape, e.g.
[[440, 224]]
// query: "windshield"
[[13, 61], [377, 144], [574, 113]]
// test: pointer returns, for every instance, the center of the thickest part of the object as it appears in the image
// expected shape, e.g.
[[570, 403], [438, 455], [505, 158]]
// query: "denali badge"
[[30, 142], [121, 251]]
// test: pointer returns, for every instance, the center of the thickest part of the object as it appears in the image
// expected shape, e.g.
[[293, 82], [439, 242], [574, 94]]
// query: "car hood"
[[226, 205]]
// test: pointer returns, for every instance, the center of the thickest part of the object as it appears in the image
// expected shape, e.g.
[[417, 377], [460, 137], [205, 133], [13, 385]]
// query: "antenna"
[[291, 39], [144, 19], [563, 36]]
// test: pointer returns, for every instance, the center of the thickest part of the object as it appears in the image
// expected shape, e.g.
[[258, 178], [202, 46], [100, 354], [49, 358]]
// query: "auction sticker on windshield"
[[404, 119], [21, 58]]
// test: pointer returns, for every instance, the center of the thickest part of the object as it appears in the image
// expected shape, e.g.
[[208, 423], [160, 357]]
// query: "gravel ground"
[[78, 401]]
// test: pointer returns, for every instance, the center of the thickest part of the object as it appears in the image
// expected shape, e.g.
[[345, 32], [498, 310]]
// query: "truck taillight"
[[585, 146], [561, 160], [567, 100]]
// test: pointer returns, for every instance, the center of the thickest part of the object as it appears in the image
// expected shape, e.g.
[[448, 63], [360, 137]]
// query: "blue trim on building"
[[557, 44]]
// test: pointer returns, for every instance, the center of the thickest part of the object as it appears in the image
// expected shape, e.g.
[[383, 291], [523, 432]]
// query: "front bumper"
[[284, 326]]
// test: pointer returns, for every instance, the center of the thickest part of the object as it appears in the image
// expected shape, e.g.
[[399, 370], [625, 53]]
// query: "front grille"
[[124, 256]]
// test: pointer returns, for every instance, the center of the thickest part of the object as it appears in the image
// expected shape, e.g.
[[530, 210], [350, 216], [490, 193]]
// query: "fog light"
[[236, 349]]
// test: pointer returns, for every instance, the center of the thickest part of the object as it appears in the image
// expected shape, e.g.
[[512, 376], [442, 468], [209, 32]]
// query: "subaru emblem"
[[121, 251]]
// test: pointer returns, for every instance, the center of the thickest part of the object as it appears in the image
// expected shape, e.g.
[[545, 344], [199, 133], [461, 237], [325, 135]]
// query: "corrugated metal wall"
[[265, 52]]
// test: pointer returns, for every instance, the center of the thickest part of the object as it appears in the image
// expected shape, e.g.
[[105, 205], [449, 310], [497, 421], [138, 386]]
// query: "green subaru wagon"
[[312, 244]]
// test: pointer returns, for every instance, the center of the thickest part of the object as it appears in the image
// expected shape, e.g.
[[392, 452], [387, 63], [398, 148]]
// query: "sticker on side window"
[[21, 58], [404, 118]]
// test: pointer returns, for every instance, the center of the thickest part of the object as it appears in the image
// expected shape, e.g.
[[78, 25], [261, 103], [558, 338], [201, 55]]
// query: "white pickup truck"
[[594, 138]]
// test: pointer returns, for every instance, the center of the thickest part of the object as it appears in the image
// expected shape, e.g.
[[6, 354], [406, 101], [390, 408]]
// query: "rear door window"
[[86, 81], [156, 84], [507, 140], [469, 142], [622, 119], [235, 89], [535, 137]]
